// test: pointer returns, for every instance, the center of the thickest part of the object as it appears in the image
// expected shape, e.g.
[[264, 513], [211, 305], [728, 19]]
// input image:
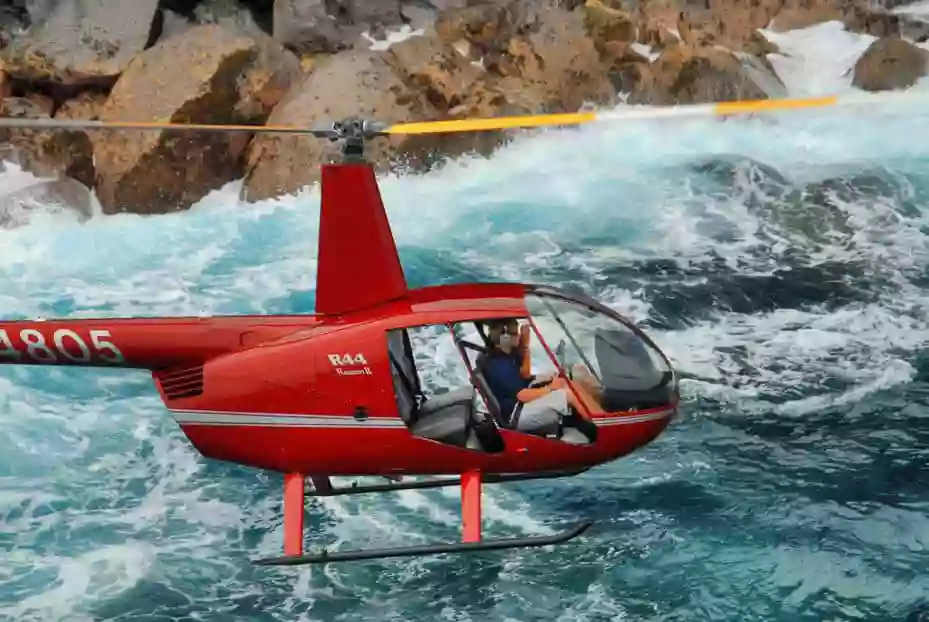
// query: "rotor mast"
[[353, 132]]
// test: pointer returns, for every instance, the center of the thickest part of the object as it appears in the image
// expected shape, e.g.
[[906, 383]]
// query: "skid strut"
[[322, 487], [293, 514], [471, 541]]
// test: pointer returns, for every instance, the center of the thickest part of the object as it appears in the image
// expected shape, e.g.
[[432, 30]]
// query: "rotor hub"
[[353, 131]]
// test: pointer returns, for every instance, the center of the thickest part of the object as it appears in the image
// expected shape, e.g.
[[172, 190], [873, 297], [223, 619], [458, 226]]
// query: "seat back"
[[480, 383], [403, 370]]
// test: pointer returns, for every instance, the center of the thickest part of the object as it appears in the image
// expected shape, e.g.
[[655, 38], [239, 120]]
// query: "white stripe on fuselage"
[[211, 417], [631, 418], [232, 418]]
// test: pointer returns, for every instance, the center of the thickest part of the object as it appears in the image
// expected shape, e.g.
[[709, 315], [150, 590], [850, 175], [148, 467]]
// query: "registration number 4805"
[[64, 344]]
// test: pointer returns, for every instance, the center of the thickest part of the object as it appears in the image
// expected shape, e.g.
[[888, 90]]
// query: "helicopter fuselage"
[[317, 394]]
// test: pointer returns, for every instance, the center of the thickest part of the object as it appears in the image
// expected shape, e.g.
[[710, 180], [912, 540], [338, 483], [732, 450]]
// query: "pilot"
[[507, 368]]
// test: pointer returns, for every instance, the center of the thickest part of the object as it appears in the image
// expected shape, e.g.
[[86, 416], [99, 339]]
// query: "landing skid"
[[428, 549], [325, 489], [471, 482]]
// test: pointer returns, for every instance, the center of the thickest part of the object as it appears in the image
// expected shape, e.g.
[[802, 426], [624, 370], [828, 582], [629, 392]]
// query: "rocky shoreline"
[[303, 62]]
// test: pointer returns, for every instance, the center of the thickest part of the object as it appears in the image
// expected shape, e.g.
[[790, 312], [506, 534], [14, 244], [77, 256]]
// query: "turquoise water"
[[783, 264]]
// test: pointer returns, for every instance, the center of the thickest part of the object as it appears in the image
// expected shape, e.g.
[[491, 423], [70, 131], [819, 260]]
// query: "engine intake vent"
[[180, 383]]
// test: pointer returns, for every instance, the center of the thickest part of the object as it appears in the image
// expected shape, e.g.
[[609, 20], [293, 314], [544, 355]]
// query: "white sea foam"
[[141, 503]]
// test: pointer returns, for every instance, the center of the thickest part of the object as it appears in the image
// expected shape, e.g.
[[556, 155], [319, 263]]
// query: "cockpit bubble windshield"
[[633, 373]]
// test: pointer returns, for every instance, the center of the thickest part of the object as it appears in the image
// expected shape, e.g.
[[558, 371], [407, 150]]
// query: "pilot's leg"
[[543, 412], [578, 395], [581, 375]]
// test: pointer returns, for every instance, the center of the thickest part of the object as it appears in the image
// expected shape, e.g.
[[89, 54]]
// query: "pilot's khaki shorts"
[[543, 411]]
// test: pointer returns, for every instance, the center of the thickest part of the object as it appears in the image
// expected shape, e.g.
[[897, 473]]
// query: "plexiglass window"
[[632, 373]]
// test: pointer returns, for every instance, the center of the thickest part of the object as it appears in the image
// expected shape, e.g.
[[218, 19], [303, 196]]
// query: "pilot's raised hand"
[[524, 336]]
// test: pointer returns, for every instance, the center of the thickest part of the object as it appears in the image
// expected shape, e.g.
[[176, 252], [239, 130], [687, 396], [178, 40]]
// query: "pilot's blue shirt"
[[502, 374]]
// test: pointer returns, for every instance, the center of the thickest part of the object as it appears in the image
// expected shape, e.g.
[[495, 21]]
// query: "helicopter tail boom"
[[133, 343]]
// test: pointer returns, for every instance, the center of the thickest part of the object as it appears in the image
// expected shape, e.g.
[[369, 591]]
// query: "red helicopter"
[[341, 392]]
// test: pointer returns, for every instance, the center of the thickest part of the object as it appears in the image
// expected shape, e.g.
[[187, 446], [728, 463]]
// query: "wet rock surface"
[[357, 82], [83, 42], [310, 62], [208, 74], [890, 63]]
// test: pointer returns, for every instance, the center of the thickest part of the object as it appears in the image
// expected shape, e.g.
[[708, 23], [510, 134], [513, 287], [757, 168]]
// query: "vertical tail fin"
[[358, 264]]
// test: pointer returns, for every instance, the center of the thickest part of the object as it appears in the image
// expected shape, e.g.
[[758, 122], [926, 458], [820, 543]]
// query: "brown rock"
[[607, 24], [314, 26], [233, 15], [625, 67], [879, 23], [889, 64], [87, 105], [445, 5], [804, 13], [659, 23], [558, 62], [618, 51], [455, 87], [19, 145], [265, 80], [306, 27], [687, 75], [437, 70], [71, 153], [83, 41], [351, 83], [207, 74], [729, 23], [538, 58], [6, 88], [486, 27], [876, 23], [541, 52], [757, 45], [373, 15], [51, 153]]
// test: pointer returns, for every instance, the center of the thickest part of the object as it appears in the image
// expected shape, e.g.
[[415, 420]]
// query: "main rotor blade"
[[373, 128], [716, 109], [493, 123], [82, 124]]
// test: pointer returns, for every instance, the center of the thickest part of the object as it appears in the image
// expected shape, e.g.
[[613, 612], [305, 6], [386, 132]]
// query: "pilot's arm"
[[525, 368]]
